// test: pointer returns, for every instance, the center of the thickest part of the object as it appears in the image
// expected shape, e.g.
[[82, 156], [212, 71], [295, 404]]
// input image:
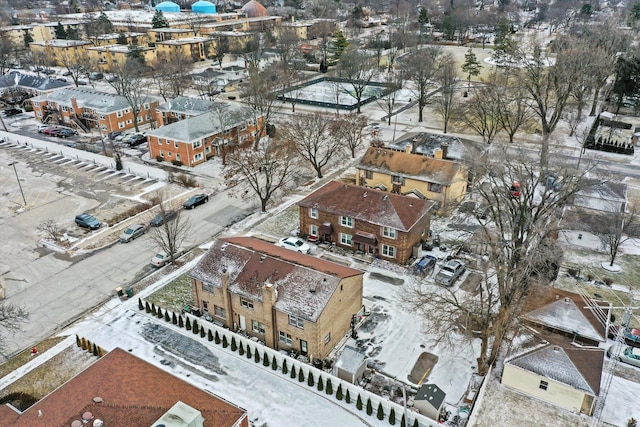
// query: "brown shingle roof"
[[415, 166], [134, 393], [369, 205], [252, 263]]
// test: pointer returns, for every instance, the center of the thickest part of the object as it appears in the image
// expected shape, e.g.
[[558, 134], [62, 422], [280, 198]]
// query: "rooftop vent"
[[556, 348], [312, 288], [365, 194], [98, 423], [567, 300], [224, 246], [263, 257]]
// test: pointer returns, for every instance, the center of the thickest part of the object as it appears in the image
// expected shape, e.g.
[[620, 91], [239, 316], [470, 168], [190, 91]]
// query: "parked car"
[[295, 244], [132, 232], [161, 218], [515, 189], [631, 336], [625, 354], [83, 82], [161, 258], [450, 272], [136, 139], [12, 112], [51, 131], [42, 127], [63, 133], [195, 201], [96, 76], [426, 264], [61, 79], [112, 135], [87, 221], [67, 73], [121, 136]]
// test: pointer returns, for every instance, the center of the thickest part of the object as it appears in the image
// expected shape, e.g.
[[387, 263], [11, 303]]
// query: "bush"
[[256, 356], [147, 307], [180, 322], [160, 315], [608, 281], [159, 159], [174, 319], [202, 332], [265, 359], [153, 309], [380, 411], [234, 345], [248, 352], [300, 375], [347, 397], [403, 422], [217, 338], [359, 403], [176, 163], [339, 392], [225, 343], [573, 272], [167, 318], [329, 387], [285, 368], [188, 324], [274, 364], [140, 305], [293, 371], [320, 384], [311, 381], [392, 417], [196, 327], [210, 335], [186, 180], [241, 349], [369, 407]]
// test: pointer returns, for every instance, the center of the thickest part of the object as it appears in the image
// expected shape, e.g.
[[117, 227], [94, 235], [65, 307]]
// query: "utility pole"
[[19, 185]]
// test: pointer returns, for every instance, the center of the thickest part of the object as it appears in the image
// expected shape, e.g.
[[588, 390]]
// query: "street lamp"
[[19, 185]]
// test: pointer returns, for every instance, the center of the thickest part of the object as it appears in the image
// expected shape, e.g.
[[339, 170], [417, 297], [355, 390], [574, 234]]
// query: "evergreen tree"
[[359, 403], [147, 307], [256, 356], [403, 421], [95, 349], [180, 322], [234, 345], [60, 32], [265, 359], [448, 27], [167, 318], [210, 335], [136, 53], [160, 313], [122, 39], [311, 381], [635, 11], [339, 392], [504, 45], [202, 332], [300, 375], [241, 348], [159, 21], [293, 371], [329, 386], [285, 368], [188, 324], [337, 46], [104, 24], [274, 364], [471, 66], [347, 397], [320, 383], [248, 352], [153, 309], [392, 417], [28, 38], [78, 341], [415, 423], [225, 342], [217, 338], [72, 33], [423, 16], [380, 411], [174, 319], [369, 407], [140, 306]]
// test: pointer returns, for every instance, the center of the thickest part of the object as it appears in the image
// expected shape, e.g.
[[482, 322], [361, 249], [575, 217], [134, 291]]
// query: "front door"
[[243, 323], [303, 347]]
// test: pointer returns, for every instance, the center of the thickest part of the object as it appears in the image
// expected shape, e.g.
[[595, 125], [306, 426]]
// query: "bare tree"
[[12, 317], [481, 113], [287, 47], [76, 62], [173, 231], [129, 81], [50, 229], [548, 83], [388, 102], [172, 75], [516, 241], [267, 169], [448, 78], [512, 106], [359, 69], [259, 95], [312, 138], [350, 130], [222, 48], [7, 53], [420, 67], [618, 227]]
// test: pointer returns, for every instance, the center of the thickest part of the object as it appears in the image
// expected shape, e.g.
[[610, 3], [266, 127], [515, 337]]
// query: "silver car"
[[450, 272], [132, 232], [625, 354]]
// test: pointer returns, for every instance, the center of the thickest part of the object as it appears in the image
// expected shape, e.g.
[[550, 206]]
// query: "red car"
[[515, 189]]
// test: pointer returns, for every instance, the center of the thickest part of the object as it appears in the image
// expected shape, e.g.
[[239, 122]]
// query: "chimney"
[[409, 148], [445, 149], [269, 295], [225, 280], [414, 144], [74, 105], [437, 153]]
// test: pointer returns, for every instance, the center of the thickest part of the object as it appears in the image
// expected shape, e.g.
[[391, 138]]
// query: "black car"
[[63, 133], [197, 200], [12, 112], [87, 221], [160, 219], [136, 139], [112, 135]]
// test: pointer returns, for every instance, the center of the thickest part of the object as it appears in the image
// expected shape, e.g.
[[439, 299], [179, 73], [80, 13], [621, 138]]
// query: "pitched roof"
[[134, 393], [350, 360], [31, 81], [369, 205], [205, 125], [565, 311], [426, 143], [415, 166], [102, 102], [188, 105], [559, 360], [431, 393], [304, 283]]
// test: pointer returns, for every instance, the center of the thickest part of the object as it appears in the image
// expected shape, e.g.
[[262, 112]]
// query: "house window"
[[127, 111], [388, 251], [121, 125], [64, 108], [313, 213], [104, 127], [246, 303], [257, 326], [196, 144], [129, 121], [178, 157], [197, 157], [327, 338], [313, 230], [208, 287], [296, 321], [169, 154], [207, 150], [219, 311], [176, 144], [368, 174], [101, 116], [161, 141], [543, 385], [345, 239], [284, 338], [119, 114], [39, 113], [397, 179], [139, 119], [389, 232], [435, 188], [161, 153], [205, 306], [146, 106], [347, 221]]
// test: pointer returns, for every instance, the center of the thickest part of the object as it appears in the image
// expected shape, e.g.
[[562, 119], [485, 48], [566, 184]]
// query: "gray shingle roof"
[[102, 102], [431, 393], [564, 315], [31, 81], [188, 105], [350, 360]]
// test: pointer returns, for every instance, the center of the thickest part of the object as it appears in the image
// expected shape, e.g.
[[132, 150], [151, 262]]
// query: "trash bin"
[[119, 291], [129, 292]]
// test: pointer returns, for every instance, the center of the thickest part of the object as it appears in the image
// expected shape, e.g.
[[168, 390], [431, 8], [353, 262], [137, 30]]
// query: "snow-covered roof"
[[304, 284], [426, 144], [432, 394], [350, 360], [564, 315], [188, 105], [206, 124], [573, 366], [31, 81], [101, 102]]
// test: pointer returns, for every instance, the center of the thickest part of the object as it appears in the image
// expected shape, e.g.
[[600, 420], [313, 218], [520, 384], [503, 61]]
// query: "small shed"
[[203, 6], [168, 6], [350, 365], [429, 400]]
